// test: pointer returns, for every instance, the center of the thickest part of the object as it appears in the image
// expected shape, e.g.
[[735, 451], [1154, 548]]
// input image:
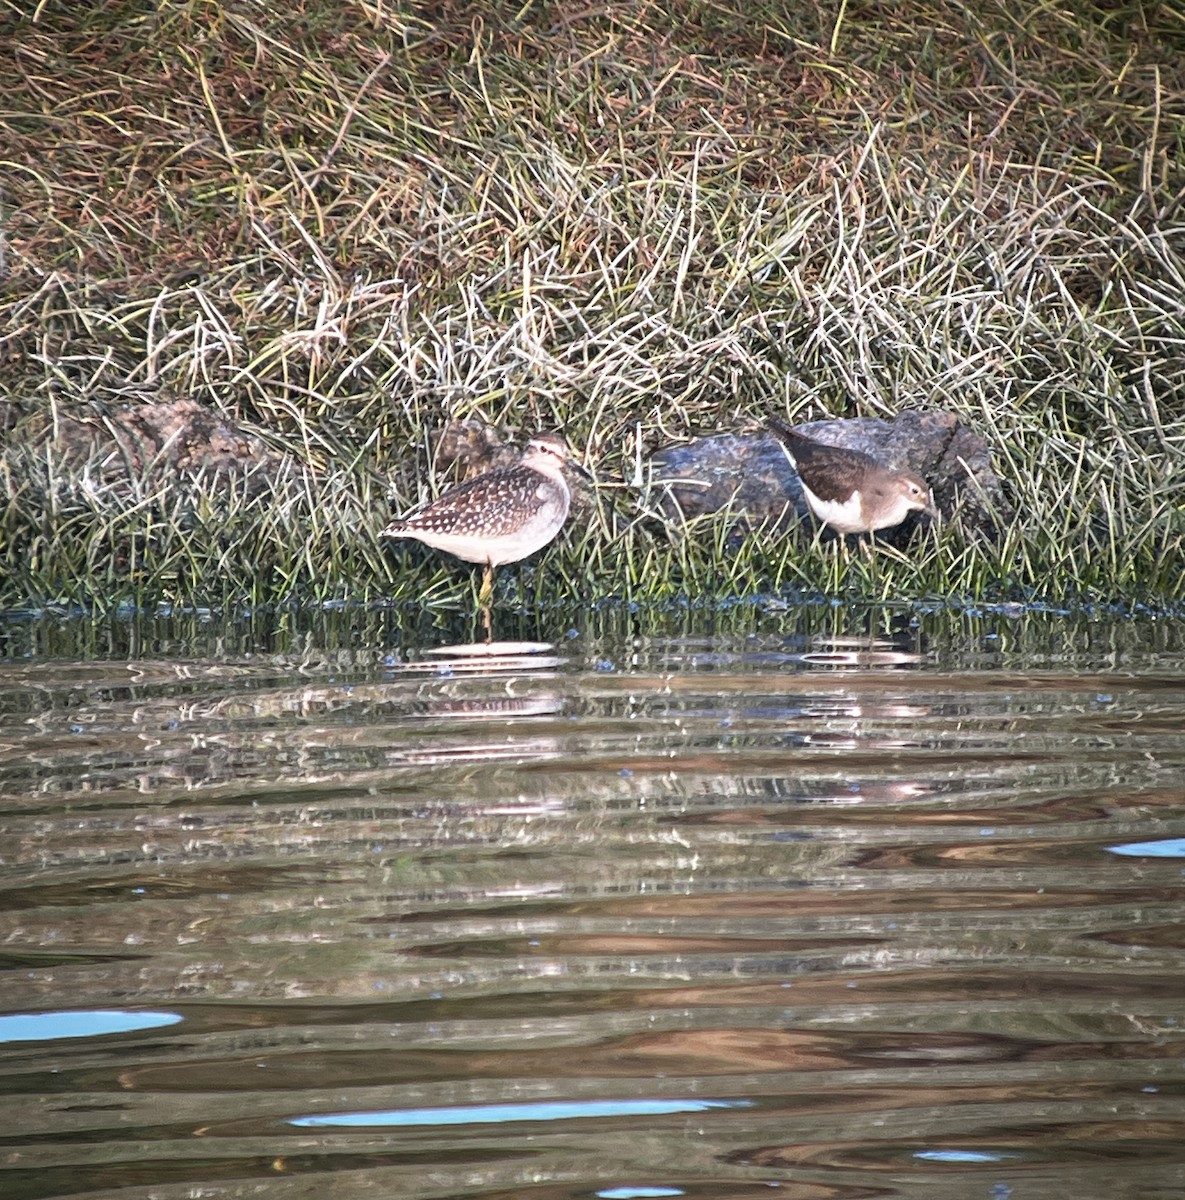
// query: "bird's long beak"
[[576, 465]]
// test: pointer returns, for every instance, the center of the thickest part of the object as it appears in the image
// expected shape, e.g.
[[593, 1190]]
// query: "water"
[[799, 902]]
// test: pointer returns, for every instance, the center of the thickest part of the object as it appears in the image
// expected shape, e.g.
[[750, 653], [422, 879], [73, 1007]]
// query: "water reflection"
[[490, 656], [698, 904], [47, 1026], [487, 1114]]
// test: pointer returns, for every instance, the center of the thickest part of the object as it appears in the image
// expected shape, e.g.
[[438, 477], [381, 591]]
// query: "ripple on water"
[[771, 911]]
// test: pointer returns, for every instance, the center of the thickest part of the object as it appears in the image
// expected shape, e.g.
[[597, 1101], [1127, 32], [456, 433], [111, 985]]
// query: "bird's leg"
[[487, 586], [487, 623], [832, 552]]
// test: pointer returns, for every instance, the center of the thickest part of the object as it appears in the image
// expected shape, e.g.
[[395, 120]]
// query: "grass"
[[343, 223]]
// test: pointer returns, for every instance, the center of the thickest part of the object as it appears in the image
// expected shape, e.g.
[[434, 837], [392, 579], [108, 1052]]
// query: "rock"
[[748, 477], [472, 447], [178, 437]]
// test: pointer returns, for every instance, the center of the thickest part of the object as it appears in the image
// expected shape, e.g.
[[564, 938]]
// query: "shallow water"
[[775, 901]]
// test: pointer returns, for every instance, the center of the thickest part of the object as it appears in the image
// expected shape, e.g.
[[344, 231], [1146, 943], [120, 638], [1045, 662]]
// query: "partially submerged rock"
[[748, 479]]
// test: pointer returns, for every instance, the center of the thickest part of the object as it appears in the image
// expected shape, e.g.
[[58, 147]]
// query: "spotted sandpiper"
[[849, 490], [499, 517]]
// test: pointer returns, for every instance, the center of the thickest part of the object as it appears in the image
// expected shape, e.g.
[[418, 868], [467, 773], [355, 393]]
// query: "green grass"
[[342, 224]]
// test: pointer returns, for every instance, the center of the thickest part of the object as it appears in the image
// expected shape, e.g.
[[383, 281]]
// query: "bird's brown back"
[[831, 472]]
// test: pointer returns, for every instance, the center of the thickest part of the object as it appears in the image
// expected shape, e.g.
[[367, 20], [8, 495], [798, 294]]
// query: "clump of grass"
[[342, 225]]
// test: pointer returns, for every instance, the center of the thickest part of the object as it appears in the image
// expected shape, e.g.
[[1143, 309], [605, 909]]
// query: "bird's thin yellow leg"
[[487, 586]]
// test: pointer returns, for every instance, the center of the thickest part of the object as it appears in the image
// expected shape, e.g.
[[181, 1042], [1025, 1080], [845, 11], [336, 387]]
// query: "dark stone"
[[744, 475], [748, 477]]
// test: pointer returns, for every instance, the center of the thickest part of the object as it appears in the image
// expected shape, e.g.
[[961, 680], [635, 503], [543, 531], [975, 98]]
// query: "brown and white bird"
[[499, 517], [849, 490]]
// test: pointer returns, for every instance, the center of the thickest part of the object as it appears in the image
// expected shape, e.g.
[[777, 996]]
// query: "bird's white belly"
[[845, 517], [532, 535]]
